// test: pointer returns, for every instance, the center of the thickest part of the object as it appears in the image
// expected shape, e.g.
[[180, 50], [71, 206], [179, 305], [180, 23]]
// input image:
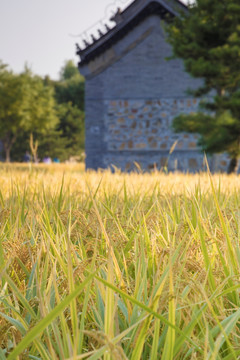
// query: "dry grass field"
[[118, 266]]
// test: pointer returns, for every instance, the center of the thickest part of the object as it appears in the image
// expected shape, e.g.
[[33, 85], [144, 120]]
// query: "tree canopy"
[[50, 112], [70, 87], [26, 104], [69, 95], [207, 38]]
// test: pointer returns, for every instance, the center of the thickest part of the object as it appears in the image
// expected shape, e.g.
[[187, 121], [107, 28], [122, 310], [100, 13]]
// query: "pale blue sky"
[[39, 31]]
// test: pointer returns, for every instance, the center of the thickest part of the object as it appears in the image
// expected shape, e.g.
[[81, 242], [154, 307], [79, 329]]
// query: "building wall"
[[130, 105], [140, 130]]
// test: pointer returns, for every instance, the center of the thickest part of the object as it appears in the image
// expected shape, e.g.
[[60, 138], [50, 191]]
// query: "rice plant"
[[109, 266]]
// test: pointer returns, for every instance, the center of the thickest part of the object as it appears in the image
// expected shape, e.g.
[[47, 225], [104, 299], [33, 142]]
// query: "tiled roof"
[[124, 21]]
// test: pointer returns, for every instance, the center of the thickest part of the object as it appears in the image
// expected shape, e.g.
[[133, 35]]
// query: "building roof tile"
[[125, 21]]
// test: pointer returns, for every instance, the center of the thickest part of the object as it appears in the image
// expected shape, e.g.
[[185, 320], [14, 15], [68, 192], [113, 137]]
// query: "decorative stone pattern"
[[139, 131], [146, 125]]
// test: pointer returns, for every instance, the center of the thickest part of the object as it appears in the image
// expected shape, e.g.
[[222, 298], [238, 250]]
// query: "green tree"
[[26, 104], [207, 38], [48, 111], [53, 144], [70, 71], [71, 124], [70, 87], [40, 106], [69, 94], [12, 108]]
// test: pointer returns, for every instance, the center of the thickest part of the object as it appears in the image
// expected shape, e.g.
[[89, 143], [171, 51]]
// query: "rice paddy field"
[[95, 265]]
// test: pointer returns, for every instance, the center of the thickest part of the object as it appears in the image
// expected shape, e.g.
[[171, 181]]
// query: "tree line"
[[41, 116]]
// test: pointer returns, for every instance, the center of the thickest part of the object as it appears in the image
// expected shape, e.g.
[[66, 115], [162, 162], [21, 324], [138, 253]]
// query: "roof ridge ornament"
[[93, 38], [106, 31], [107, 27], [100, 33], [96, 31], [78, 49], [117, 17], [86, 43]]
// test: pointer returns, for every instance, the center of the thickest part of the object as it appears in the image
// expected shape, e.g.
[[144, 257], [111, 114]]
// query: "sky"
[[43, 33]]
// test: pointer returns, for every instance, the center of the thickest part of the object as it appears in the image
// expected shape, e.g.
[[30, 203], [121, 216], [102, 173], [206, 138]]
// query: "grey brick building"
[[133, 93]]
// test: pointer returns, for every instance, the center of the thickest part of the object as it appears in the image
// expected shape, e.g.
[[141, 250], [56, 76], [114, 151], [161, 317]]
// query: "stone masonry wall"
[[140, 131], [146, 124]]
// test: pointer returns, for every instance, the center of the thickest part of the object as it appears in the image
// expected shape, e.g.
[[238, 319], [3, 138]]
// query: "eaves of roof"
[[155, 7]]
